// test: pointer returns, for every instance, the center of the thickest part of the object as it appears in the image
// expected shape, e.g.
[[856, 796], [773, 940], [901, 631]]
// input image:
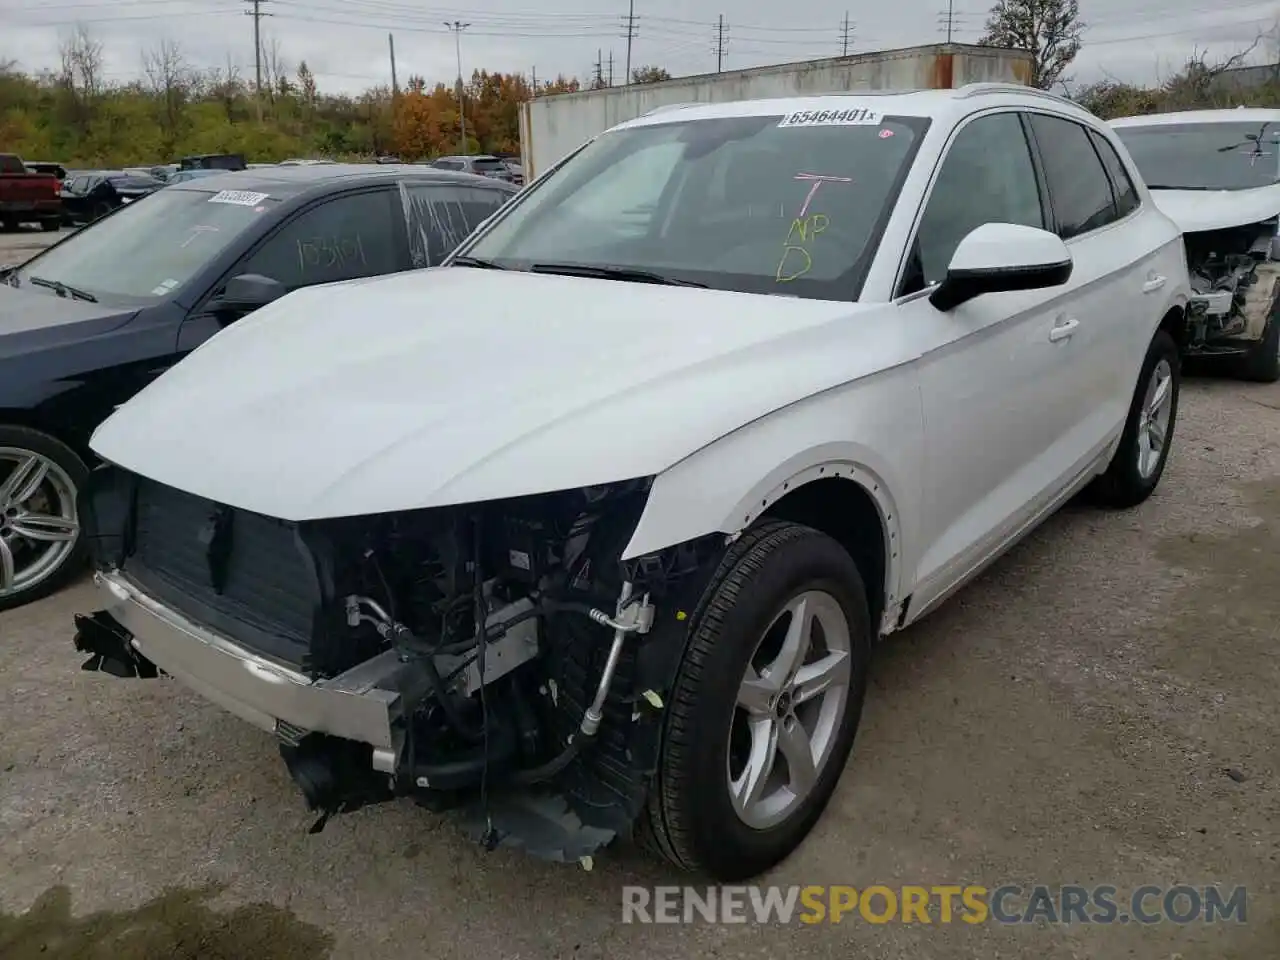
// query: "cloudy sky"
[[345, 41]]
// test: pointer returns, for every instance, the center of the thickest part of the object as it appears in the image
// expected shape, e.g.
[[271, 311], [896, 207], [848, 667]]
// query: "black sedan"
[[91, 194], [87, 323]]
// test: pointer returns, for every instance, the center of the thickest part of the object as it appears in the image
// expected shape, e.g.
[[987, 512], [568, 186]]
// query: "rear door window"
[[1126, 193], [343, 238], [1078, 183]]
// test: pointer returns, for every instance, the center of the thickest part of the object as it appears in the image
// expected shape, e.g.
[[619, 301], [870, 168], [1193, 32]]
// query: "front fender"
[[869, 431]]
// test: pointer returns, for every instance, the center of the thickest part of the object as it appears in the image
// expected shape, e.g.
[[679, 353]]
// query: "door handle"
[[1063, 329], [1154, 283]]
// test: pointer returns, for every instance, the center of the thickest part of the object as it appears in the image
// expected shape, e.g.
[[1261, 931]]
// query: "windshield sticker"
[[859, 116], [241, 198], [159, 291], [886, 133], [797, 247]]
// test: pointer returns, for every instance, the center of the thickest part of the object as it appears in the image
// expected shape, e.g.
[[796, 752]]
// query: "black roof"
[[295, 181]]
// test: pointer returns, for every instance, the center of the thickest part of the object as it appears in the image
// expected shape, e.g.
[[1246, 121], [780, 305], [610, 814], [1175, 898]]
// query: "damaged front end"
[[1234, 294], [499, 657]]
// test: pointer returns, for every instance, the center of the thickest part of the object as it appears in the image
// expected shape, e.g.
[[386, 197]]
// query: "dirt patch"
[[177, 925]]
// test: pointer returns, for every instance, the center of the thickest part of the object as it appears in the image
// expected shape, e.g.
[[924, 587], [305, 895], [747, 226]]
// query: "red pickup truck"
[[27, 197]]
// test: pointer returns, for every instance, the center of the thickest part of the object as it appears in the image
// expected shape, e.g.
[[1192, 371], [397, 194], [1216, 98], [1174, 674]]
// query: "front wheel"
[[765, 705], [41, 546], [1139, 461]]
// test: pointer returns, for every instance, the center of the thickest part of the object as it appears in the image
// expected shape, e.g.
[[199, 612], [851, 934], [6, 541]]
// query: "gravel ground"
[[1100, 708], [26, 242]]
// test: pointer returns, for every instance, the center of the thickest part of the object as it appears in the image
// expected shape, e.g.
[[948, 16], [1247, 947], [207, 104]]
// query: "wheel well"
[[1175, 323], [31, 420], [846, 512]]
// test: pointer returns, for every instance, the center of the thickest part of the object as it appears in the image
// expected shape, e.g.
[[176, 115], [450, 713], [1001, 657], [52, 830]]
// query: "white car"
[[1216, 173], [733, 393]]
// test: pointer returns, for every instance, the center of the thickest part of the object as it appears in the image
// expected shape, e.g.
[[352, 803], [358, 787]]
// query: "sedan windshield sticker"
[[241, 198], [859, 116]]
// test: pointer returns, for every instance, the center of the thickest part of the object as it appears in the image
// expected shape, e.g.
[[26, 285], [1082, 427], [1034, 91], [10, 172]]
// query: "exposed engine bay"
[[1233, 279], [524, 665]]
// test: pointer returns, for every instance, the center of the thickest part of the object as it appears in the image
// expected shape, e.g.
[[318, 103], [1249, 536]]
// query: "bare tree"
[[275, 69], [80, 73], [227, 86], [1050, 30], [1201, 83], [168, 78]]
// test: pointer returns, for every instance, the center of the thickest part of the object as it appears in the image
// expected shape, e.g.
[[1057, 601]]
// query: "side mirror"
[[1001, 257], [246, 293]]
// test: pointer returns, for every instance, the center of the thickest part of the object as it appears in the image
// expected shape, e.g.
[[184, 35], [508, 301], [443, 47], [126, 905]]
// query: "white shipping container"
[[551, 127]]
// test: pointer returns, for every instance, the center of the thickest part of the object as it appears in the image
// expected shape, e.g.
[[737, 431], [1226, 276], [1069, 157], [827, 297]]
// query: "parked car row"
[[591, 532]]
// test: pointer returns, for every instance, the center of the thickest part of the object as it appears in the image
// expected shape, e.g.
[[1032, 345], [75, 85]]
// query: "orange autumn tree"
[[426, 122]]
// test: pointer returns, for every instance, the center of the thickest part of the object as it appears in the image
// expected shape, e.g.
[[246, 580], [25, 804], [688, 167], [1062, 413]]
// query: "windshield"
[[791, 206], [147, 251], [1205, 156]]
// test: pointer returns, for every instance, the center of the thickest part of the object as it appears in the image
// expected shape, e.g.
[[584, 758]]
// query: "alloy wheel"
[[39, 525], [790, 707], [1153, 423]]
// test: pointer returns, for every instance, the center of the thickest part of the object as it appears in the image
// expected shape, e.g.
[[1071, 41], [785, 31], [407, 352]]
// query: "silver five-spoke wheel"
[[1153, 425], [39, 526], [790, 706]]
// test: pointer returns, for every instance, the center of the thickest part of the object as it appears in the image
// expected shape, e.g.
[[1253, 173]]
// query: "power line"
[[845, 32]]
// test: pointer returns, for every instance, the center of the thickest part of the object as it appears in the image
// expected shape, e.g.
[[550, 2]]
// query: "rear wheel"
[[1139, 461], [765, 705], [40, 543], [100, 210], [50, 226]]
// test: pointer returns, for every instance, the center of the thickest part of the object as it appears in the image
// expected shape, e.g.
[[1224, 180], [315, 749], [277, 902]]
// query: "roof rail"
[[1001, 86], [670, 106]]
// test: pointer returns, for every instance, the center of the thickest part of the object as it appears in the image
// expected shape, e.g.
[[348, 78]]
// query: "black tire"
[[100, 210], [50, 226], [1124, 485], [690, 820], [1262, 363], [23, 438]]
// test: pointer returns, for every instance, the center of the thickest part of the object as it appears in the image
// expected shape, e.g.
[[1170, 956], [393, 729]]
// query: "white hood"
[[460, 384], [1197, 210]]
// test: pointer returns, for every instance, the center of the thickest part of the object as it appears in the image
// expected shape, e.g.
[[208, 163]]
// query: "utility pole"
[[949, 19], [720, 44], [611, 68], [257, 14], [457, 26], [630, 35], [534, 82], [395, 86], [845, 33]]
